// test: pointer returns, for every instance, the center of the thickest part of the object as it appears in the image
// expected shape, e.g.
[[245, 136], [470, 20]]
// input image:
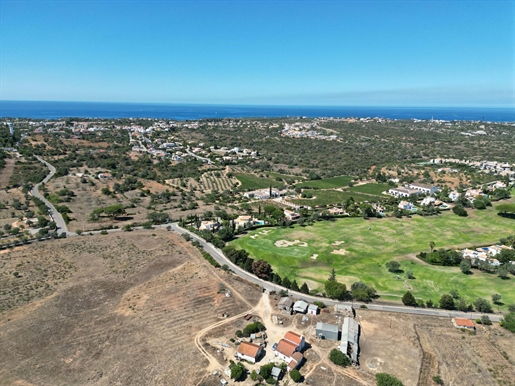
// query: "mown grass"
[[332, 197], [251, 181], [327, 183], [367, 251], [376, 189]]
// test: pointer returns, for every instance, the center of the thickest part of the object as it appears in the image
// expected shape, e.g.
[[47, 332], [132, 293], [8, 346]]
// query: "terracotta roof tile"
[[248, 349]]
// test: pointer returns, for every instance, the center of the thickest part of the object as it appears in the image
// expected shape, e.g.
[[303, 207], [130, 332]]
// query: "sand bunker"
[[338, 243], [286, 243], [339, 252], [254, 236], [314, 257], [265, 231]]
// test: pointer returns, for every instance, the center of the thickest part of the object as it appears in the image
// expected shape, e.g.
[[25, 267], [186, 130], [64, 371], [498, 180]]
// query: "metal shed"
[[327, 331]]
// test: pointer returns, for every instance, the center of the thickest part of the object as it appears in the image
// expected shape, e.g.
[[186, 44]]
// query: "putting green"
[[358, 249]]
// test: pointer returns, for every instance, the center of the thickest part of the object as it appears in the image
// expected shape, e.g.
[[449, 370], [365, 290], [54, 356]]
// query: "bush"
[[384, 379], [296, 376], [252, 328], [409, 300], [438, 380], [508, 322], [483, 305], [339, 358]]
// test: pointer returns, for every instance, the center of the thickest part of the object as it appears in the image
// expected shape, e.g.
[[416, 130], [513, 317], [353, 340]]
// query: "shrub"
[[295, 376], [409, 300], [438, 380], [339, 358], [384, 379]]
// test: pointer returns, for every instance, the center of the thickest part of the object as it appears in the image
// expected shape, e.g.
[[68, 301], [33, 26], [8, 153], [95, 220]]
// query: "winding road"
[[218, 255], [54, 214]]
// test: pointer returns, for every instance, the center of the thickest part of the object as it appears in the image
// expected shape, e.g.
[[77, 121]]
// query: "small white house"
[[312, 309]]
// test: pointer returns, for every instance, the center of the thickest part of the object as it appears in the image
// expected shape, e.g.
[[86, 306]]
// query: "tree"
[[335, 290], [384, 379], [505, 208], [508, 322], [486, 320], [266, 370], [294, 286], [304, 288], [393, 266], [254, 375], [333, 275], [432, 246], [409, 300], [225, 233], [238, 371], [114, 210], [447, 302], [286, 283], [409, 275], [339, 358], [502, 272], [496, 298], [158, 217], [460, 210], [295, 376], [483, 305], [438, 380], [465, 266], [262, 269], [361, 292]]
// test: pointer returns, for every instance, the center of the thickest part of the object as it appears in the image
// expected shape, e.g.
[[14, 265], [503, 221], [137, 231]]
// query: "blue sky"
[[376, 53]]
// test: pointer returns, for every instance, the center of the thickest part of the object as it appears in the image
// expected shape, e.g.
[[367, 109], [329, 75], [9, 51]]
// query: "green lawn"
[[327, 183], [366, 252], [333, 197], [251, 181], [376, 189]]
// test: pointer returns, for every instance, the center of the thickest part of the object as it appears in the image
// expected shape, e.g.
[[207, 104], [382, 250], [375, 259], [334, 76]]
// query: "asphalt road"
[[218, 255], [54, 214]]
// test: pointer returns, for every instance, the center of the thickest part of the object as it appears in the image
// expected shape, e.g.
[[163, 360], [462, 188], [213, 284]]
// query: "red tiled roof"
[[286, 347], [248, 349], [293, 337], [463, 322]]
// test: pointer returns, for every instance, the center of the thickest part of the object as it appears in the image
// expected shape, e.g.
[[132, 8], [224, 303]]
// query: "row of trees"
[[452, 301]]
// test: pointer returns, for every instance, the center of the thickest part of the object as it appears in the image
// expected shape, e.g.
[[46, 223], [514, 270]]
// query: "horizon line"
[[265, 105]]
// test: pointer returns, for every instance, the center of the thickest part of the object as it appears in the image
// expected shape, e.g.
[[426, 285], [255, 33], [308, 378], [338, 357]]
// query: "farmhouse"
[[300, 306], [242, 221], [424, 188], [463, 323], [289, 349], [405, 205], [350, 335], [249, 351], [481, 255], [403, 192], [327, 331], [209, 225], [285, 304], [263, 194], [290, 215]]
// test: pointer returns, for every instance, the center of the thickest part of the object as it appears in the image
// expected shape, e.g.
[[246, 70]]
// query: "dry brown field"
[[119, 309]]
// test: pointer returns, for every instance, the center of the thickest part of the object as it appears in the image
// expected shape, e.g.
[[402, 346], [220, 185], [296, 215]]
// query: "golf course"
[[358, 249]]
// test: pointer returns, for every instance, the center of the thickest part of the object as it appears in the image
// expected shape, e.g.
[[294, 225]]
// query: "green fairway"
[[333, 197], [251, 181], [362, 253], [376, 189], [327, 183]]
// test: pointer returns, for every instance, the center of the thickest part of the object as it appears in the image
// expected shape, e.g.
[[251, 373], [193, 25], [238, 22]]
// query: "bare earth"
[[126, 312]]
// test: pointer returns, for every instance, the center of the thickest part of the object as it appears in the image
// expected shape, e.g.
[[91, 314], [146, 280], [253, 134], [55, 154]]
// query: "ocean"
[[56, 110]]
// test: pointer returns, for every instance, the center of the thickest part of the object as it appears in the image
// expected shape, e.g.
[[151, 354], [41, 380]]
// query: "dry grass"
[[126, 312]]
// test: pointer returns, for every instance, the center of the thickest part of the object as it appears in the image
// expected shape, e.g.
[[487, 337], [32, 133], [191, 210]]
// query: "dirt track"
[[128, 315]]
